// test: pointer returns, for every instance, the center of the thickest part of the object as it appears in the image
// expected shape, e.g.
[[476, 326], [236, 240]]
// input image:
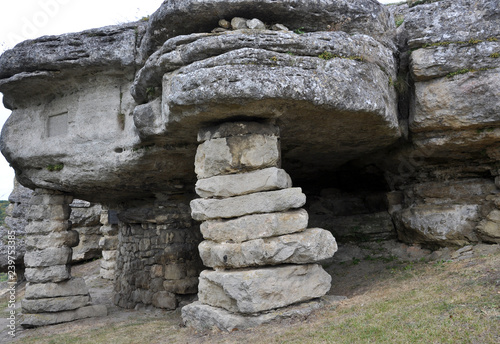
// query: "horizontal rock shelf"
[[261, 202], [309, 246], [244, 183], [255, 226]]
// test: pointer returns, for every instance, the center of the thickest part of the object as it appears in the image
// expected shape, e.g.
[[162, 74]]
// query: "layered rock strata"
[[52, 295], [256, 237]]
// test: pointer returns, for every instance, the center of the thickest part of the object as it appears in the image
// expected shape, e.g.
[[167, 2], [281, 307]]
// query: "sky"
[[27, 19]]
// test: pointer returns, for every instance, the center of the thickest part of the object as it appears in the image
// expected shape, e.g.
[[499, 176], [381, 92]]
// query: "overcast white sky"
[[26, 19]]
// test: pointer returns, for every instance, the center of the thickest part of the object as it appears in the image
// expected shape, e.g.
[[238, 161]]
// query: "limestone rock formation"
[[385, 117]]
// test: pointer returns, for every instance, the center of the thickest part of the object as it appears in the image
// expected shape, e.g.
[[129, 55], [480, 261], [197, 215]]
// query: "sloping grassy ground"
[[433, 302]]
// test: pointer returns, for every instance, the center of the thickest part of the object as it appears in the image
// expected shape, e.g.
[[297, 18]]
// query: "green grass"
[[3, 209]]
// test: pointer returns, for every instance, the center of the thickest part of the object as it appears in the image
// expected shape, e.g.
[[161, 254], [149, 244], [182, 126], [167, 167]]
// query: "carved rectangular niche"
[[57, 125]]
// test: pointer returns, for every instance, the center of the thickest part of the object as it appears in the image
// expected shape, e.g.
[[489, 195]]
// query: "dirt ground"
[[355, 269]]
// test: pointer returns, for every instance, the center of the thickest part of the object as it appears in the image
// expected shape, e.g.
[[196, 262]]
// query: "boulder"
[[255, 226], [256, 290], [442, 225], [309, 246], [260, 202]]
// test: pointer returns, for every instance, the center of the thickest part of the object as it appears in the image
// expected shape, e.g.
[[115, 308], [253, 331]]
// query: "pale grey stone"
[[449, 224], [55, 304], [44, 319], [72, 287], [255, 226], [68, 238], [239, 128], [435, 62], [250, 291], [108, 264], [47, 227], [309, 246], [56, 273], [236, 154], [243, 183], [165, 300], [108, 243], [223, 23], [464, 101], [48, 257], [109, 230], [279, 27], [173, 18], [238, 23], [204, 317], [260, 202], [256, 24], [48, 212], [109, 255], [449, 19]]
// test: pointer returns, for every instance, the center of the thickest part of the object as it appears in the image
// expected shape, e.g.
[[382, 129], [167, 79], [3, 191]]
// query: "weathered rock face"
[[194, 79], [389, 131]]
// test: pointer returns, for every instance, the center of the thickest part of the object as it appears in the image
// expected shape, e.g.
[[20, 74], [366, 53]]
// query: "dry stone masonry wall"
[[52, 295], [157, 260], [256, 236]]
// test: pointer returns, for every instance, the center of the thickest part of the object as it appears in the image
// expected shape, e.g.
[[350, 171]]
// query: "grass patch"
[[399, 20], [55, 168], [328, 56], [465, 71]]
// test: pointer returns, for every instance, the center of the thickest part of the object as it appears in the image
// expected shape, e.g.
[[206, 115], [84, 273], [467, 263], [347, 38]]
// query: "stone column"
[[52, 295], [256, 238], [109, 246]]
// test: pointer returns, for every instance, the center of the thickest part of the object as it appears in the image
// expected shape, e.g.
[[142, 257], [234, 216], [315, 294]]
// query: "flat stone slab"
[[72, 287], [55, 304], [257, 290], [309, 246], [255, 226], [56, 273], [236, 154], [48, 257], [204, 317], [243, 183], [44, 319], [260, 202], [68, 238]]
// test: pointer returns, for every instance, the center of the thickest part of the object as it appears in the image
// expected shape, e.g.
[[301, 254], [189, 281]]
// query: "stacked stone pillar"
[[109, 246], [52, 295], [262, 255]]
